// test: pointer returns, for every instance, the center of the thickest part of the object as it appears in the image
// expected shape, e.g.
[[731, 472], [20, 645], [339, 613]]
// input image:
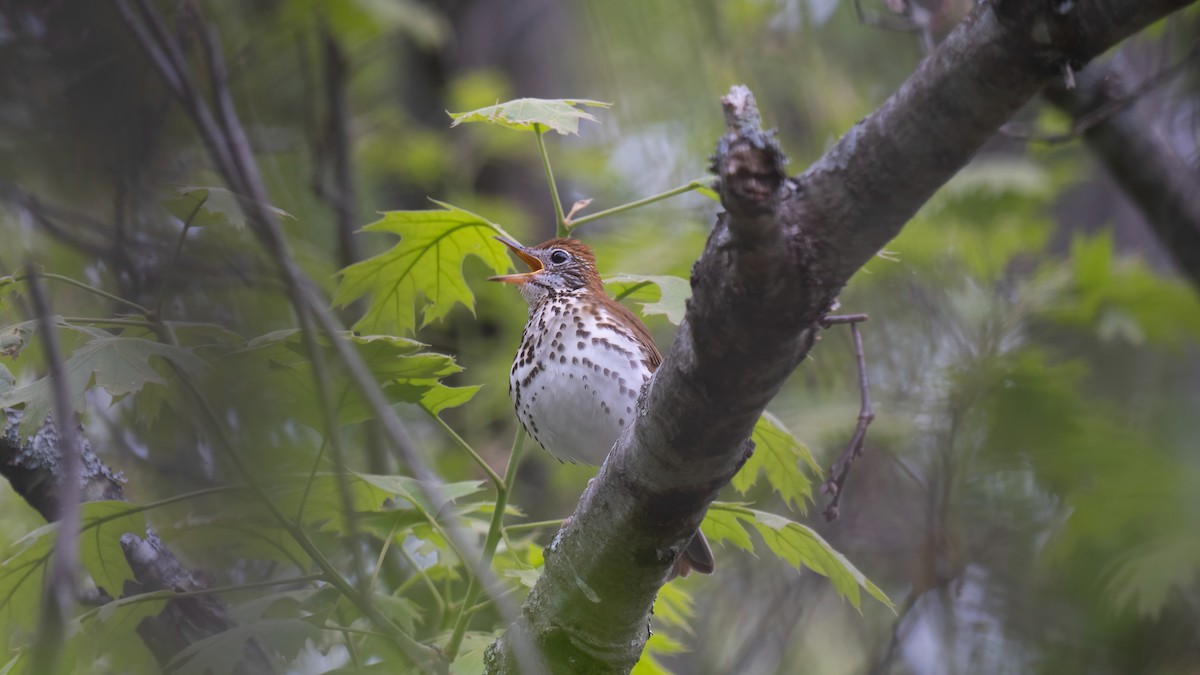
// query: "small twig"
[[466, 447], [248, 179], [576, 208], [60, 585], [560, 218], [521, 527], [1068, 76], [688, 187], [841, 468], [28, 276], [1111, 107], [165, 53], [495, 530], [91, 238], [167, 594]]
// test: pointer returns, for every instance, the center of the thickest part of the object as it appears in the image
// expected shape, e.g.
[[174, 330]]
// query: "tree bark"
[[773, 265], [1141, 160]]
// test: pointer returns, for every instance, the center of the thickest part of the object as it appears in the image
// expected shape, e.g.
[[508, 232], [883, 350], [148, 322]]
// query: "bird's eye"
[[559, 257]]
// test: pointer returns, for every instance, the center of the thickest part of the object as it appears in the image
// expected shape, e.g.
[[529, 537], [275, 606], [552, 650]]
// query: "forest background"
[[1028, 499]]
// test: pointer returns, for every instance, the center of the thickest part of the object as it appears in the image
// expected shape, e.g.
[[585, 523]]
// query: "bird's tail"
[[697, 557]]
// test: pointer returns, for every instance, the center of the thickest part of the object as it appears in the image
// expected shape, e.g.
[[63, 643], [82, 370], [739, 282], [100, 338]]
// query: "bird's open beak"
[[535, 265]]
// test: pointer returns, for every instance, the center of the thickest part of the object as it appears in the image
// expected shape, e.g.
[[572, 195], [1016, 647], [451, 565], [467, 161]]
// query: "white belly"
[[583, 393]]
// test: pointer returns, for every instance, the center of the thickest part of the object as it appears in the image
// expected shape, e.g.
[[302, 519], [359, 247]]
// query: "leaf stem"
[[87, 287], [458, 440], [312, 474], [142, 508], [137, 323], [424, 578], [495, 529], [560, 222], [421, 654], [168, 595], [522, 527], [688, 187], [187, 225]]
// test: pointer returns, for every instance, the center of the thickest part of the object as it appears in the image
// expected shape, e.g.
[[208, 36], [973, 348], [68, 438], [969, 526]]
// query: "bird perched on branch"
[[581, 364]]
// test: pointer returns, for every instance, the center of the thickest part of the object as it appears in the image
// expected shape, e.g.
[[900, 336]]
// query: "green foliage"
[[101, 525], [1023, 396], [7, 286], [777, 456], [211, 206], [1154, 574], [791, 542], [1122, 300], [659, 644], [673, 611], [561, 115], [406, 372], [221, 653], [427, 263], [121, 365], [108, 634], [673, 293], [474, 647]]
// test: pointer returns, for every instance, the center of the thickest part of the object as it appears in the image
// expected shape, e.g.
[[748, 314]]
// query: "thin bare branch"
[[1084, 121], [241, 173], [840, 470], [164, 52], [58, 601], [338, 134]]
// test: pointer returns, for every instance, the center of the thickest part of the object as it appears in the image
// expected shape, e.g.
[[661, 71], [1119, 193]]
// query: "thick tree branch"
[[34, 468], [771, 269], [1155, 177]]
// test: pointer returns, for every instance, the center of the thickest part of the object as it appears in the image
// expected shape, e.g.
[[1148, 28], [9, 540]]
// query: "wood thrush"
[[581, 364]]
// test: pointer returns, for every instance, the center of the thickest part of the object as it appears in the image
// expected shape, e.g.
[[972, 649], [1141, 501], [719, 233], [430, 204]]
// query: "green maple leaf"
[[122, 365], [101, 525], [220, 654], [792, 542], [561, 114], [423, 271], [777, 456], [673, 293], [406, 372], [211, 206], [411, 375]]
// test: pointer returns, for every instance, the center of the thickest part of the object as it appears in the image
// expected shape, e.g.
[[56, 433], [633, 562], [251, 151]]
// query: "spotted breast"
[[577, 375], [581, 364]]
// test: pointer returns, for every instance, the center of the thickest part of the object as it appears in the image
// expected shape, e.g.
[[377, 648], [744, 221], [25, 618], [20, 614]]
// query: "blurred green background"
[[1030, 492]]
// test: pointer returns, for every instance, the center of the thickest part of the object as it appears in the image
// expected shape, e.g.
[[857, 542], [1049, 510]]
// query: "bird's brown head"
[[555, 266]]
